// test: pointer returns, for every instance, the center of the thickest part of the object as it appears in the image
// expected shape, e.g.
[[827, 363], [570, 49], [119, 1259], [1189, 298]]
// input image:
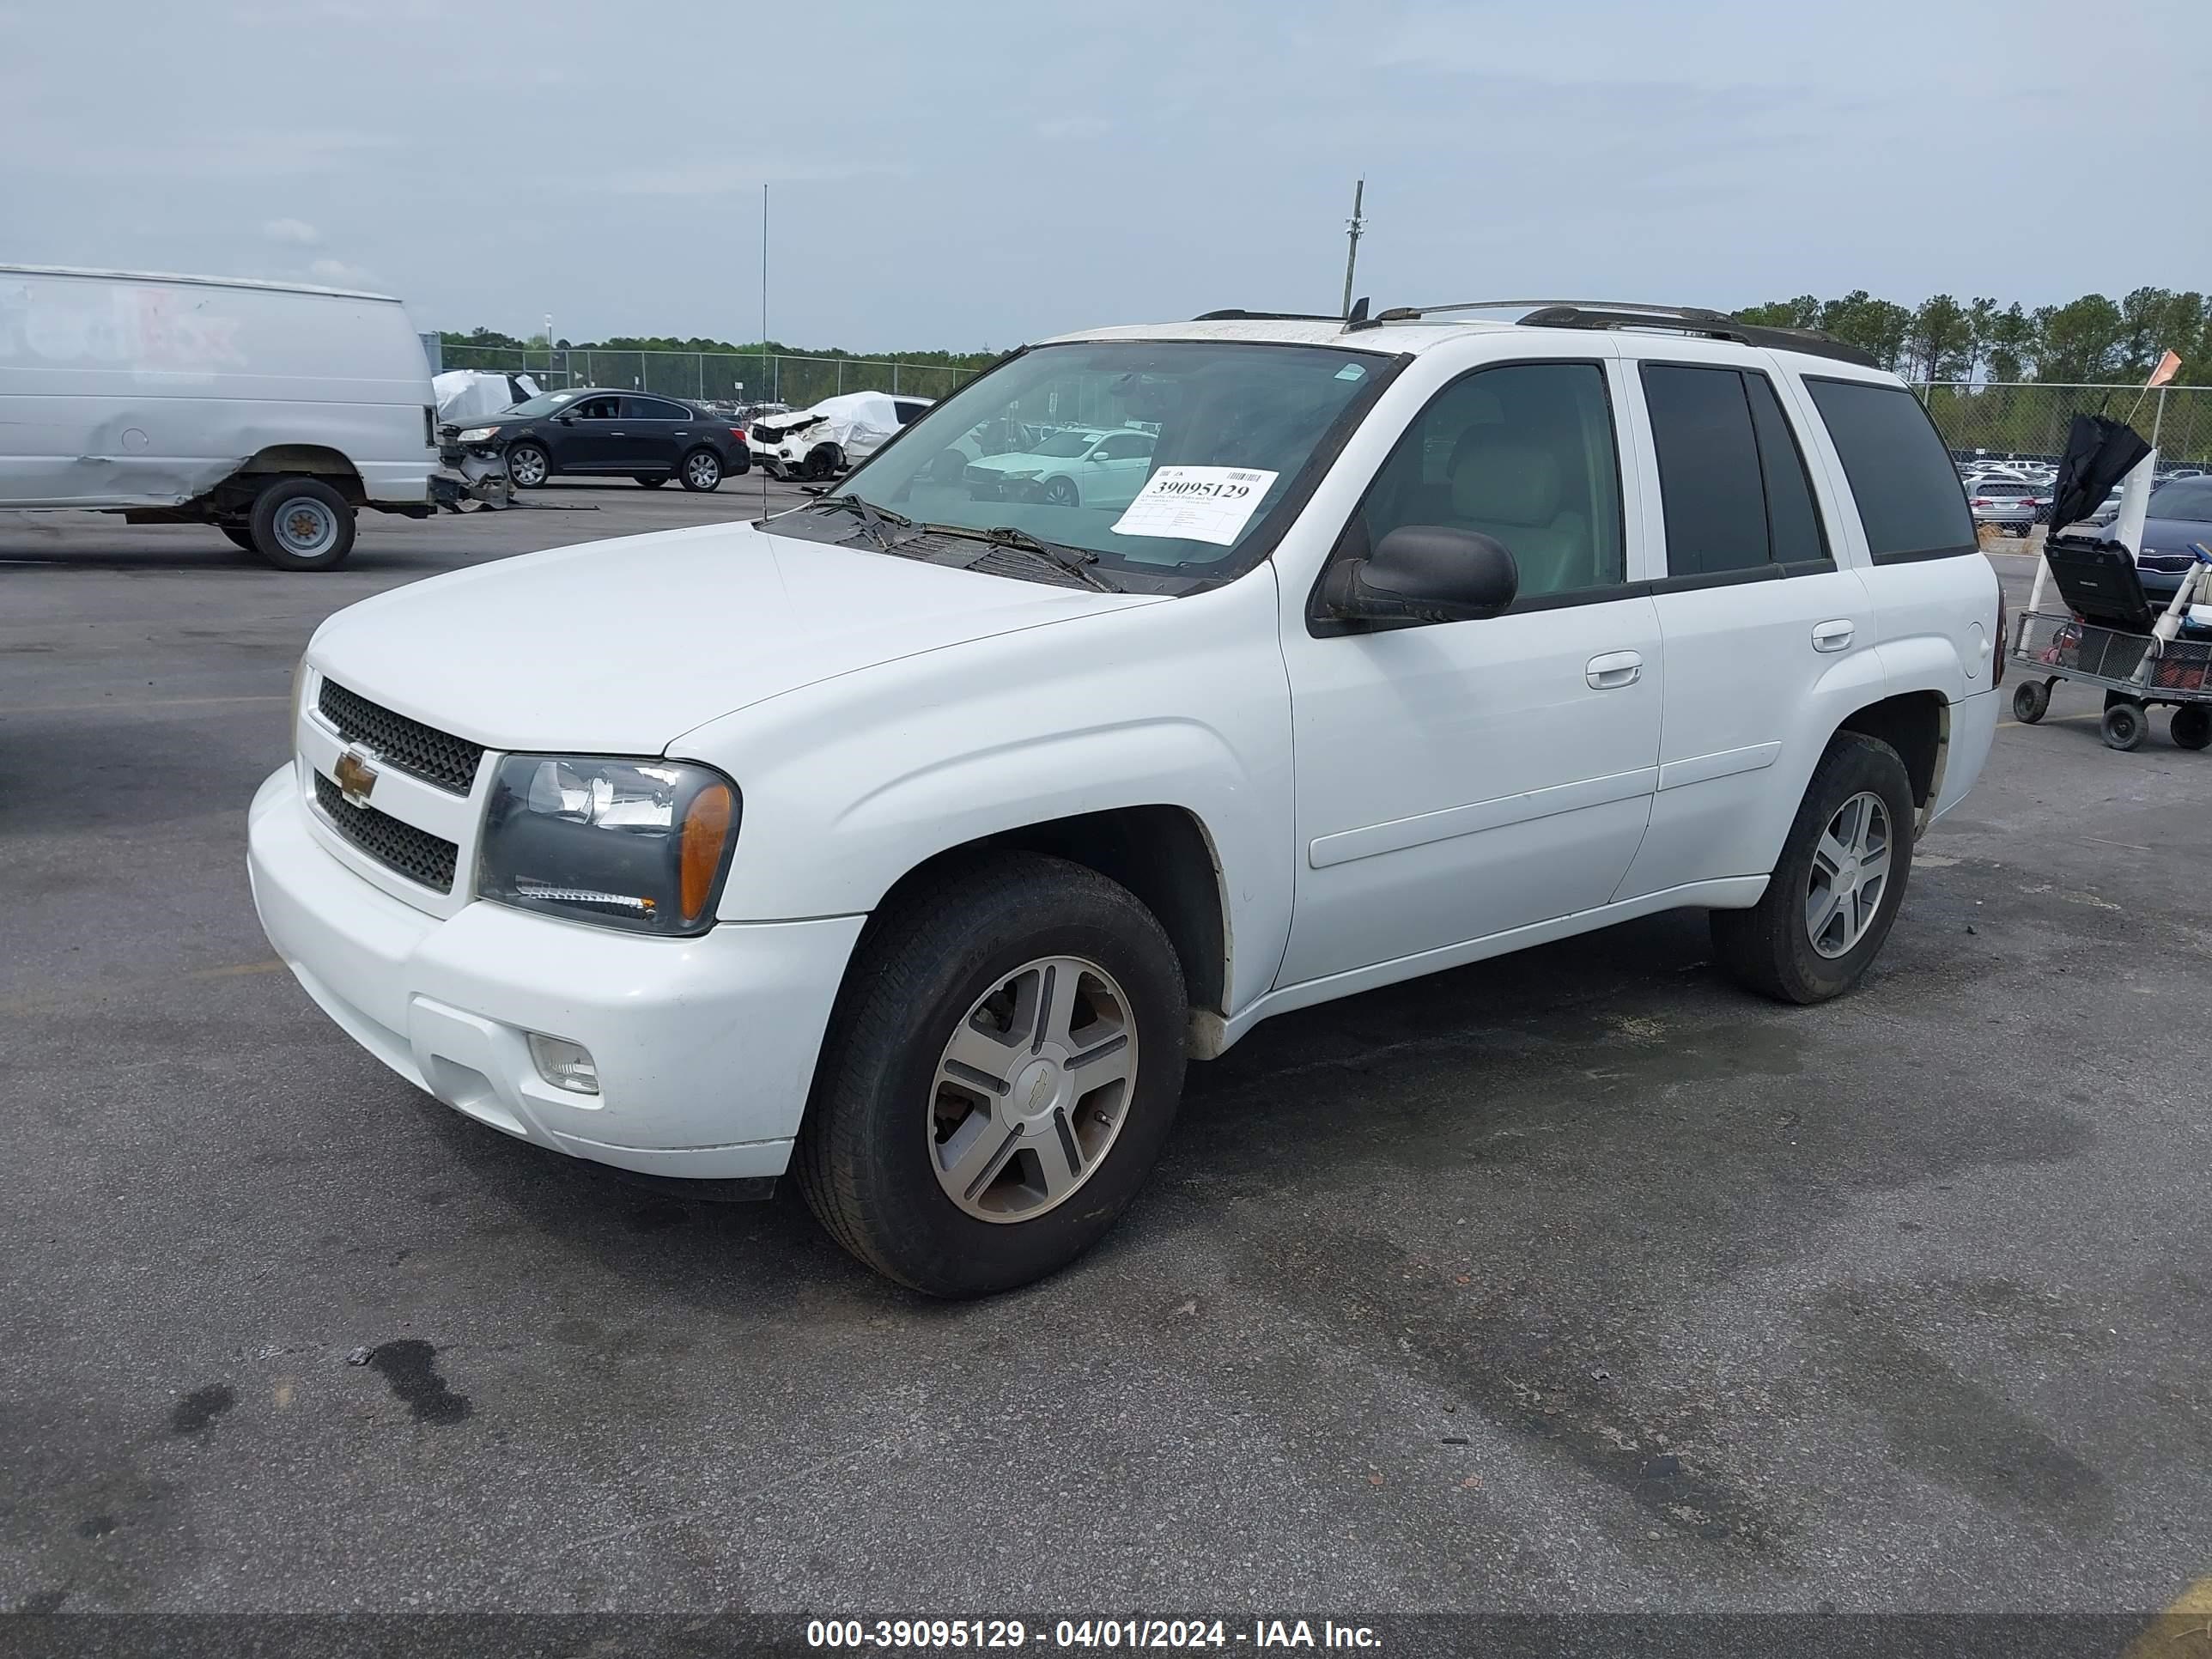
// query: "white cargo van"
[[272, 412]]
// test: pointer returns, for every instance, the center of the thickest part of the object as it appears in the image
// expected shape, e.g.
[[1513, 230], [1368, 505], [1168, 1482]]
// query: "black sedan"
[[594, 432]]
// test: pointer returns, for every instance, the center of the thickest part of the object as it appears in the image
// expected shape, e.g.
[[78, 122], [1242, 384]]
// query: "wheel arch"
[[1163, 853], [332, 467], [1917, 725]]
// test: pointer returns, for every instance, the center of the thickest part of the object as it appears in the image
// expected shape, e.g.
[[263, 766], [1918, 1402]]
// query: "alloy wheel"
[[1850, 875]]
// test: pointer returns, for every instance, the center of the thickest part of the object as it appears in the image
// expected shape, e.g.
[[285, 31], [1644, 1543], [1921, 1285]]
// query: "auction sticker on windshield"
[[1196, 503]]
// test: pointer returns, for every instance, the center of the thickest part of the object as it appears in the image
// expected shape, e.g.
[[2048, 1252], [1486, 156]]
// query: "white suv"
[[913, 842]]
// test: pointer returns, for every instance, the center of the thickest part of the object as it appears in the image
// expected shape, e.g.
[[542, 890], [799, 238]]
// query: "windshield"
[[1155, 455], [2190, 498], [544, 404]]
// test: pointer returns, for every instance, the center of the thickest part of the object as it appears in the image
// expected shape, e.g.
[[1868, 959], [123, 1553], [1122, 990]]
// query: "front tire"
[[651, 480], [2124, 725], [1060, 492], [2030, 702], [528, 467], [1002, 1068], [701, 471], [301, 524], [1836, 890]]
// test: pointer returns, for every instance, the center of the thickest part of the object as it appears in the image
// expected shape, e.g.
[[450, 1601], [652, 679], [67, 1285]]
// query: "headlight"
[[477, 434], [637, 844]]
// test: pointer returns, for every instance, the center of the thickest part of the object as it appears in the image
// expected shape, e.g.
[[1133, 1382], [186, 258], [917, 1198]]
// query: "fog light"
[[563, 1064]]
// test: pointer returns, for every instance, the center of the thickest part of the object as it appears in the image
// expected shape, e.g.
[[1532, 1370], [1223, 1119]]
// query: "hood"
[[621, 647], [1024, 463]]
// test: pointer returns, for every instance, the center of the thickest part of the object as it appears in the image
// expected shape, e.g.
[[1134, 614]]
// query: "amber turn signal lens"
[[706, 829]]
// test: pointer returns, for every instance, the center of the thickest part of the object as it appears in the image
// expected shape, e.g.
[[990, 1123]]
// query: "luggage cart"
[[2137, 671]]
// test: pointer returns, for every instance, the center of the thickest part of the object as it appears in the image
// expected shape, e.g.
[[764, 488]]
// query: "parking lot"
[[1573, 1280]]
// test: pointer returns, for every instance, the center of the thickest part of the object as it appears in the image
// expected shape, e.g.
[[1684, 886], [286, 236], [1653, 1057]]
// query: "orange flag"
[[2166, 370]]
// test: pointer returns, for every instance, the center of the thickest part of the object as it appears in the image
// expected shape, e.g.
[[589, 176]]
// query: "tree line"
[[493, 339], [2090, 340]]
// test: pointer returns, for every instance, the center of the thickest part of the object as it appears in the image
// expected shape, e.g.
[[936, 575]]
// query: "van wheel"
[[1003, 1066], [1836, 890], [701, 471], [301, 523]]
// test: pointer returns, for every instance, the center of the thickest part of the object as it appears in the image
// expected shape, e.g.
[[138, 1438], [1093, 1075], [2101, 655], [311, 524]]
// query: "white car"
[[836, 433], [921, 857], [1075, 466], [274, 412]]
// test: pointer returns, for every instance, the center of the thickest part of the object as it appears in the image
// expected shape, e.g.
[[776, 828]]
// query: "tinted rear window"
[[1709, 476], [1901, 475]]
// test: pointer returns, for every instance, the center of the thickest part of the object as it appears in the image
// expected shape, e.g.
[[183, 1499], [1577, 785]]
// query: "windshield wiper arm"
[[878, 519], [1076, 560]]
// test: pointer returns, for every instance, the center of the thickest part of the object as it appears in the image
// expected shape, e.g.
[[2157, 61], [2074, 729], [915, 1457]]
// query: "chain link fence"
[[2027, 421], [726, 377]]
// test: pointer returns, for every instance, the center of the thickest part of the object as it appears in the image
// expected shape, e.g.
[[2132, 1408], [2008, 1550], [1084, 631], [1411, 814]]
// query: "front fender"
[[851, 783]]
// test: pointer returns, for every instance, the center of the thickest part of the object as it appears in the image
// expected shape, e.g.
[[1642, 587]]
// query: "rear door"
[[1760, 624], [655, 433]]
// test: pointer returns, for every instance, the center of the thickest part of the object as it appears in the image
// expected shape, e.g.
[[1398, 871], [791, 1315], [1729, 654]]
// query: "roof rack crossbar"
[[1638, 315]]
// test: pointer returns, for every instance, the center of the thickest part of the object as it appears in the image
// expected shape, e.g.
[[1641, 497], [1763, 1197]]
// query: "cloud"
[[293, 233], [337, 271]]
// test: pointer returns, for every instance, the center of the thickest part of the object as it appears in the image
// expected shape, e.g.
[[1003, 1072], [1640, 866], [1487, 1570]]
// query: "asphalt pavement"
[[1574, 1280]]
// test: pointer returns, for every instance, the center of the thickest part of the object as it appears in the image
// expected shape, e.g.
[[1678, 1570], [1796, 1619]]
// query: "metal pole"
[[895, 380], [2158, 417], [1351, 254]]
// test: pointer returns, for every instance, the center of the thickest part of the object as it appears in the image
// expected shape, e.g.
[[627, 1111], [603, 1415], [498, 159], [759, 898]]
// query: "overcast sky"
[[961, 174]]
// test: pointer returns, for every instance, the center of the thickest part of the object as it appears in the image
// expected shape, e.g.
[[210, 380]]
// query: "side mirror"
[[1426, 573], [564, 420]]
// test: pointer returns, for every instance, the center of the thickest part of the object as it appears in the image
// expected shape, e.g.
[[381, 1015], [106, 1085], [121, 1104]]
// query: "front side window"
[[597, 408], [1524, 453], [1908, 495], [1247, 426]]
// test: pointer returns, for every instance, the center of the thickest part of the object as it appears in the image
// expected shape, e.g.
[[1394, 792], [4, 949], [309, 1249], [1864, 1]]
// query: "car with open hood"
[[911, 843]]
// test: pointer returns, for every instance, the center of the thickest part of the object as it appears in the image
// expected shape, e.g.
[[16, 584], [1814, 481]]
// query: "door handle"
[[1833, 635], [1613, 669]]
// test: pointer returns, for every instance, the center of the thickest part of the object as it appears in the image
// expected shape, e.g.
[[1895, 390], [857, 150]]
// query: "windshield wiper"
[[879, 520], [1075, 560]]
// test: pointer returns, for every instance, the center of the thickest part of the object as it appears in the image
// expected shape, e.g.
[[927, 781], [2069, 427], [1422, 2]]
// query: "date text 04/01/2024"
[[1094, 1634]]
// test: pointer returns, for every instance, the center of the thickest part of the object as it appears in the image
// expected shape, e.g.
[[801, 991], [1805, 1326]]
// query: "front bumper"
[[705, 1046]]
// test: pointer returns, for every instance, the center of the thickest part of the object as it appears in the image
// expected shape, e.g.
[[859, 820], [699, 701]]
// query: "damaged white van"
[[274, 413], [913, 839]]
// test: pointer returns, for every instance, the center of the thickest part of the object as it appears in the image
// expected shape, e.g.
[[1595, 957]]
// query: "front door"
[[1116, 470], [1456, 780], [584, 437]]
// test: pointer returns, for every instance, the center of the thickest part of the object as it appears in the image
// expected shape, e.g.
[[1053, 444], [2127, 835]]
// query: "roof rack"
[[1631, 314], [1235, 316]]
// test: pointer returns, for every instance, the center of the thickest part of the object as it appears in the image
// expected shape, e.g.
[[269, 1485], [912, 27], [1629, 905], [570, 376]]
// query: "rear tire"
[[1779, 947], [879, 1157], [2123, 727], [701, 471], [2191, 725], [301, 523], [2030, 702]]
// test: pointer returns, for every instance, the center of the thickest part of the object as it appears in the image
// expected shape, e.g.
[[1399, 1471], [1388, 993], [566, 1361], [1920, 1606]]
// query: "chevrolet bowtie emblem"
[[357, 778]]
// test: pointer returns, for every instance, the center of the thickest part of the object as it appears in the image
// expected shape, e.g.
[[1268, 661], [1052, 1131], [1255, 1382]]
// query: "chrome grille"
[[415, 854], [436, 758]]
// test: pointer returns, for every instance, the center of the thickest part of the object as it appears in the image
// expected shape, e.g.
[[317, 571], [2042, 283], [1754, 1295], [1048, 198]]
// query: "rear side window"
[[1793, 522], [1711, 476], [1908, 495]]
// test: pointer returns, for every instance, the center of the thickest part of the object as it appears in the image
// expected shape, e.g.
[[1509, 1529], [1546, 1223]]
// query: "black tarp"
[[2099, 452]]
